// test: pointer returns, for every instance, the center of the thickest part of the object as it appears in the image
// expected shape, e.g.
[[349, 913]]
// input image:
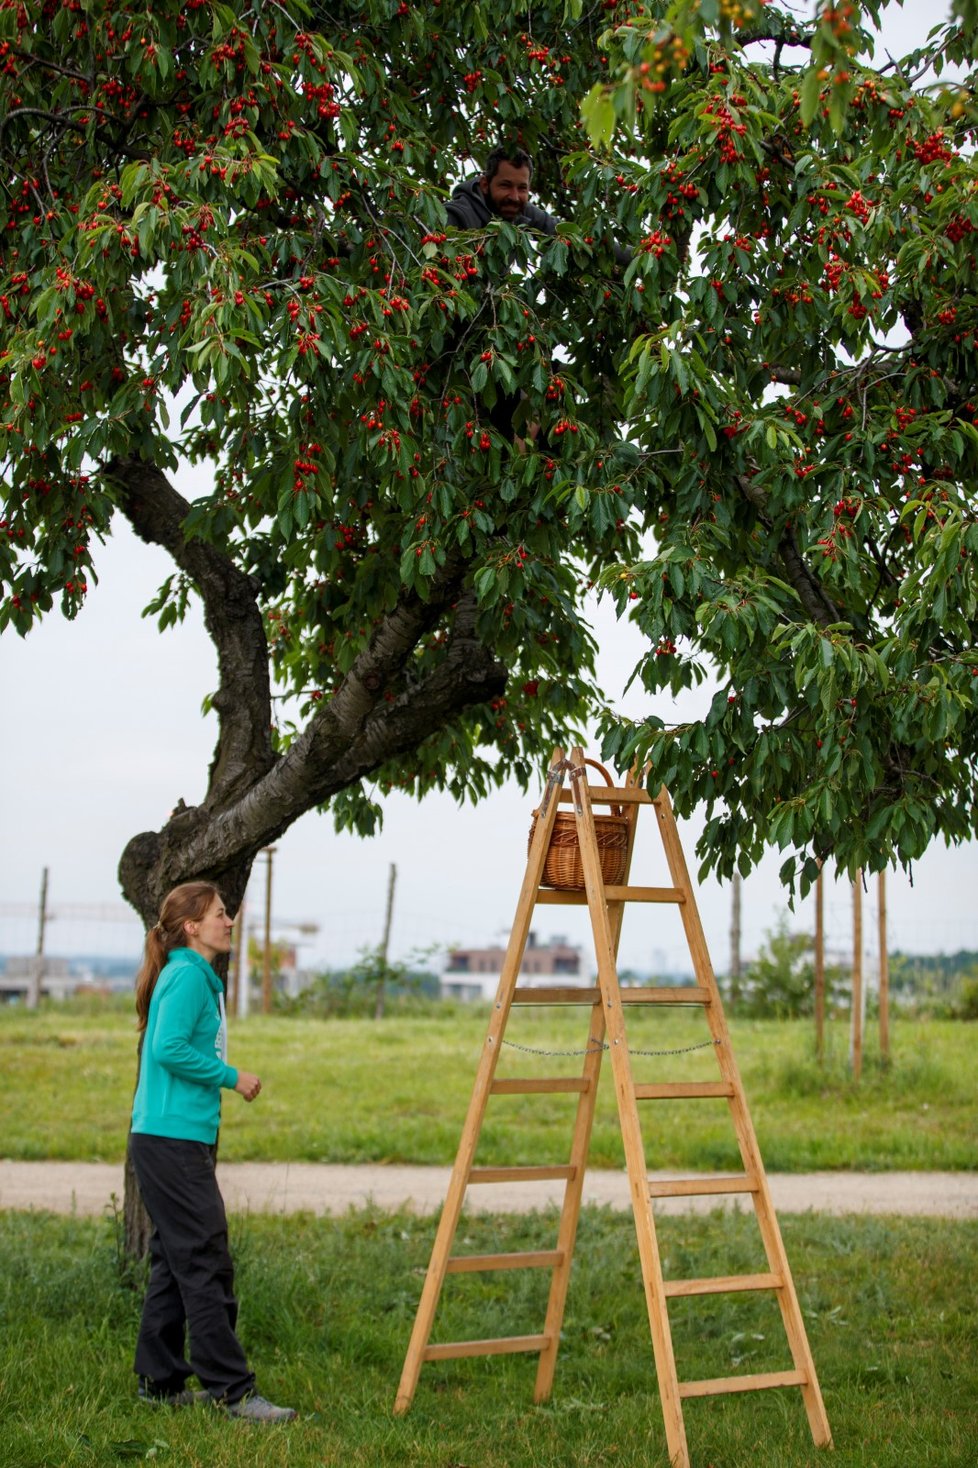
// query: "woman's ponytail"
[[187, 903]]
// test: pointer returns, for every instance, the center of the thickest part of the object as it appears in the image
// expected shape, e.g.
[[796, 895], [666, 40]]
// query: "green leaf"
[[811, 89], [598, 113]]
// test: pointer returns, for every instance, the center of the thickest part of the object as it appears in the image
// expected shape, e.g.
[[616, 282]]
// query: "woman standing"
[[175, 1117]]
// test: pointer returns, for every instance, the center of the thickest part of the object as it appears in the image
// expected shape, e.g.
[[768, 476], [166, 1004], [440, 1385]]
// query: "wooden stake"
[[385, 944], [37, 967], [735, 938], [856, 1027], [884, 974], [819, 966], [266, 966]]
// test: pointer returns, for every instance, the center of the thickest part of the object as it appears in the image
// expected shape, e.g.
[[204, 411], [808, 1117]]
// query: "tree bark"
[[137, 1224]]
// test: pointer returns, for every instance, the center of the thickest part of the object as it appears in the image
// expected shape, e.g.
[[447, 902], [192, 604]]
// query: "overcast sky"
[[102, 733]]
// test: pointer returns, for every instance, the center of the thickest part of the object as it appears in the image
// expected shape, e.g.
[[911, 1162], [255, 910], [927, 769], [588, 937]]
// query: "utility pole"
[[238, 996], [37, 967], [856, 1027], [266, 969], [735, 970], [385, 943], [819, 966], [884, 975]]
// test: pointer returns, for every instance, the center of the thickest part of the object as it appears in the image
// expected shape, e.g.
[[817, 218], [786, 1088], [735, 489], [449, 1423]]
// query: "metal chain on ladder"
[[592, 1049]]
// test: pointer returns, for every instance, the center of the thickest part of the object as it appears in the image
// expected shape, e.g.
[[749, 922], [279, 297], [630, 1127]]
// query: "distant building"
[[473, 973], [57, 978], [63, 977]]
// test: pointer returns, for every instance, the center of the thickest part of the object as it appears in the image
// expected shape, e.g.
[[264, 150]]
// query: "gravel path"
[[290, 1187]]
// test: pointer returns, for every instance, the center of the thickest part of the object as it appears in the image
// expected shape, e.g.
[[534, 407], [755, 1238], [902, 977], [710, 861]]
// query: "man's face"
[[508, 191]]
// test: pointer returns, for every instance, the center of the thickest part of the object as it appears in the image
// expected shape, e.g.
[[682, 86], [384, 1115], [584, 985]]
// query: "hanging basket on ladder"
[[563, 868]]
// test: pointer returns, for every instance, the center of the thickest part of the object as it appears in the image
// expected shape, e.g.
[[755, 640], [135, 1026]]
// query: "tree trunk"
[[136, 1221]]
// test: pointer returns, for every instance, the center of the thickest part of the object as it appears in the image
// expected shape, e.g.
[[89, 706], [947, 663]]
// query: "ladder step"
[[535, 1086], [683, 1090], [521, 1174], [633, 994], [565, 994], [529, 1259], [689, 1187], [501, 1346], [645, 894], [577, 897], [609, 795], [761, 1382], [666, 994], [676, 1288]]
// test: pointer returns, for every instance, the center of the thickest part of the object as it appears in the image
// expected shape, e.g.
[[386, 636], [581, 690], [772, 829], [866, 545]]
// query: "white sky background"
[[102, 733]]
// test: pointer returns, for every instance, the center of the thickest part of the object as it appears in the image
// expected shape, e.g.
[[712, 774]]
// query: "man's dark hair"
[[518, 157]]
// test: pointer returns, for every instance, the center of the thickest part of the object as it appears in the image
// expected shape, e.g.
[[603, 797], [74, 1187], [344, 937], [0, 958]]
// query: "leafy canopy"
[[224, 244]]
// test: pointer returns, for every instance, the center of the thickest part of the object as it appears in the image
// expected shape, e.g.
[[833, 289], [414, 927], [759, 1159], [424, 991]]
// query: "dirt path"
[[290, 1187]]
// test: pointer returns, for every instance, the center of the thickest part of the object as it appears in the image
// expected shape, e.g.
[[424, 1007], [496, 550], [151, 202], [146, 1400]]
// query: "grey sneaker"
[[258, 1409]]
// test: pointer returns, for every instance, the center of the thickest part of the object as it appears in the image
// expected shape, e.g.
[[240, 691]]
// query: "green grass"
[[349, 1090], [327, 1308]]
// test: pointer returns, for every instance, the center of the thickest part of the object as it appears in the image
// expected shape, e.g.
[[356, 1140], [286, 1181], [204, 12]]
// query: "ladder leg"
[[435, 1277], [744, 1128], [571, 1210], [580, 1146], [794, 1324], [648, 1246]]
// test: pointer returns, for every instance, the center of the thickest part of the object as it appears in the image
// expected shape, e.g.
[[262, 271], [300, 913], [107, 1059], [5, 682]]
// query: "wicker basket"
[[563, 867]]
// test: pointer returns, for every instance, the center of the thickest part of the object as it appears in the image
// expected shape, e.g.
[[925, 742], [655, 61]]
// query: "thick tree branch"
[[254, 797], [812, 595], [243, 701], [358, 730]]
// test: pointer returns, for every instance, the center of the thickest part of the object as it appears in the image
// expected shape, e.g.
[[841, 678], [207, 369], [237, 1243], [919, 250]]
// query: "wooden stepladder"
[[606, 906]]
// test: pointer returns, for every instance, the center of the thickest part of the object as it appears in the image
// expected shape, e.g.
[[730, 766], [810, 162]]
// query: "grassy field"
[[357, 1091], [345, 1090], [327, 1307]]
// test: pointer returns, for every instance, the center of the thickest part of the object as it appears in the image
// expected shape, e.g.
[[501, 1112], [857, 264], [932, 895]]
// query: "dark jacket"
[[468, 208]]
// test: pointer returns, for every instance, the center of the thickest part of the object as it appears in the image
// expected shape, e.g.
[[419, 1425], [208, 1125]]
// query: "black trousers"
[[191, 1282]]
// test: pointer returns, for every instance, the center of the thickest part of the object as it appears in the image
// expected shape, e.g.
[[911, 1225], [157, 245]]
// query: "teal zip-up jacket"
[[181, 1070]]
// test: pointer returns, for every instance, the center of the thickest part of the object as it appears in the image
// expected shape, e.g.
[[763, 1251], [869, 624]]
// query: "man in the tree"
[[502, 191]]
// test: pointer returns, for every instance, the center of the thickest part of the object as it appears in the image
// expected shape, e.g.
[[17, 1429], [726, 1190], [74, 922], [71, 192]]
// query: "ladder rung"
[[682, 1090], [567, 994], [501, 1346], [535, 1086], [675, 1288], [609, 795], [720, 1384], [644, 894], [688, 1187], [577, 897], [633, 994], [529, 1259], [521, 1174], [666, 994]]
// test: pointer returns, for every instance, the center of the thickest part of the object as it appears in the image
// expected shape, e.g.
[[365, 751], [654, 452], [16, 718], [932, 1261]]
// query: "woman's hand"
[[248, 1085]]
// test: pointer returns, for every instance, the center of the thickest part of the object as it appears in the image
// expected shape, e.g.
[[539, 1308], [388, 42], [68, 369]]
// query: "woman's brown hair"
[[187, 903]]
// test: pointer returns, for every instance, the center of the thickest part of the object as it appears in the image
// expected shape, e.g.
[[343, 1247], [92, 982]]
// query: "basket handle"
[[618, 810]]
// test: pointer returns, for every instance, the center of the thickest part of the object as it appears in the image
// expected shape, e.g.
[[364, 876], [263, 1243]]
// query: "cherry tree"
[[224, 245]]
